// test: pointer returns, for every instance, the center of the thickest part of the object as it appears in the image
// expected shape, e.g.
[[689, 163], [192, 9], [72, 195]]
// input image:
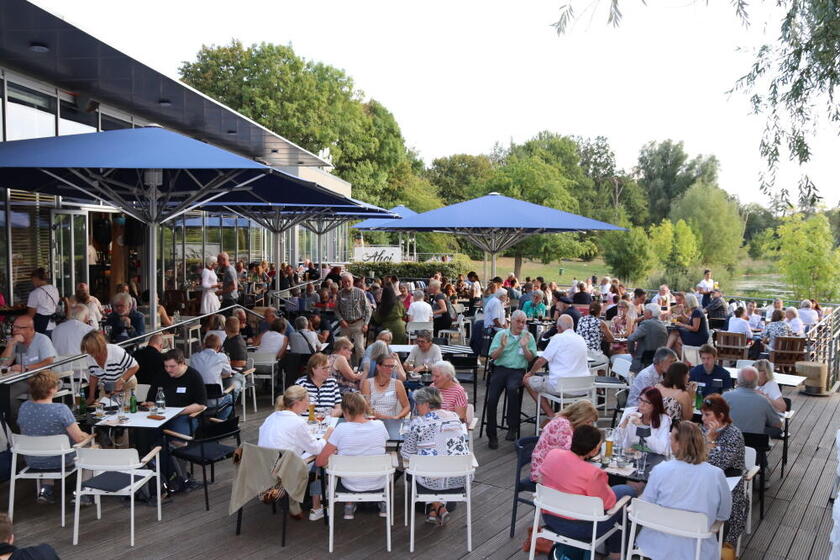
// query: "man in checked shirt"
[[353, 313]]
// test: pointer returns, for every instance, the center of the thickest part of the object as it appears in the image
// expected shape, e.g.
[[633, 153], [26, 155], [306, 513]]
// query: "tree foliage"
[[808, 258], [686, 250], [629, 254], [456, 177], [622, 194], [714, 218], [662, 241]]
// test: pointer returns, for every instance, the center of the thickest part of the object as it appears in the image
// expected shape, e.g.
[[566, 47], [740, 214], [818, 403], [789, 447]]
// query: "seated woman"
[[767, 386], [692, 327], [377, 350], [435, 432], [453, 395], [326, 300], [385, 336], [677, 393], [216, 325], [323, 389], [648, 416], [286, 428], [775, 328], [535, 307], [40, 416], [340, 368], [356, 436], [595, 332], [274, 341], [386, 394], [725, 443], [557, 434], [667, 486], [569, 471], [793, 321]]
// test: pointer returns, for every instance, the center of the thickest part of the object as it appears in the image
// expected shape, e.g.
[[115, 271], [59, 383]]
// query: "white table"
[[140, 419], [780, 378], [444, 348]]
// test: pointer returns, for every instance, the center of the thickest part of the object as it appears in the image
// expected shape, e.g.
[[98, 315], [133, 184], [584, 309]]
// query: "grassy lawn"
[[551, 272]]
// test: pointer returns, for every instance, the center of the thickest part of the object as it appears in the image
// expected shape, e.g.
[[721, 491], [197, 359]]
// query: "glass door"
[[69, 249]]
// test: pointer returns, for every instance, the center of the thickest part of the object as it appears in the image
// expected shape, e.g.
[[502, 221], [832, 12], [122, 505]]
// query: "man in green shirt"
[[512, 351]]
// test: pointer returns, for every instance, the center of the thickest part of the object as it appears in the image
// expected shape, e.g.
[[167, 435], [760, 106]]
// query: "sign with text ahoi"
[[377, 254]]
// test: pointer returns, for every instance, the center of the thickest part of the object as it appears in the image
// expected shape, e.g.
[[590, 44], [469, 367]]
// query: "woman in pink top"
[[557, 434], [452, 393], [569, 472]]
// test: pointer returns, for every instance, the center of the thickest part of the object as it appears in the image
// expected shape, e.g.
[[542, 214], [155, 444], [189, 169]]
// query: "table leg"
[[784, 448]]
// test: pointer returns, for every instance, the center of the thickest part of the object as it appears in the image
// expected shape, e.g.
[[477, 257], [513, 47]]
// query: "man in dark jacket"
[[8, 550]]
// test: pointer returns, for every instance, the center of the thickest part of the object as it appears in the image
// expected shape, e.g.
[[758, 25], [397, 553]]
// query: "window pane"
[[75, 121], [113, 123], [31, 113], [195, 259], [229, 236]]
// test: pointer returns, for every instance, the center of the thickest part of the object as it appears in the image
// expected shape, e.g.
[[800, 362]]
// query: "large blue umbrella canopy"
[[377, 223]]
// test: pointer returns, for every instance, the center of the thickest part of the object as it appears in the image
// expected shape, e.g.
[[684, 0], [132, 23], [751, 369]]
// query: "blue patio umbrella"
[[495, 222], [375, 223]]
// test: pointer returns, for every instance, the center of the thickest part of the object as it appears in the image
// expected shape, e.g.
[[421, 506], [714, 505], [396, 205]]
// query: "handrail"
[[15, 377]]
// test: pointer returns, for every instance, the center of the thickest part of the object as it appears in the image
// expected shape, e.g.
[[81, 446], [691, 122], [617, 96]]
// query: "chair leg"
[[413, 514], [513, 512], [761, 491], [206, 493], [239, 520], [76, 508], [212, 473], [131, 507], [388, 515], [285, 519], [331, 511], [469, 518], [12, 488], [748, 491], [534, 530], [63, 493]]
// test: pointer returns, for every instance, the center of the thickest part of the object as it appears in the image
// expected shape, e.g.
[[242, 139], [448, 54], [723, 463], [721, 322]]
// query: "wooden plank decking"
[[796, 525]]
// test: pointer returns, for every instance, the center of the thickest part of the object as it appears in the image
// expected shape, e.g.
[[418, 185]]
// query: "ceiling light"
[[164, 102], [274, 150], [38, 47], [231, 131]]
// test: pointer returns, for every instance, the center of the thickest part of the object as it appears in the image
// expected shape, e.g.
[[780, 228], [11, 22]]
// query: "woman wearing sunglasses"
[[647, 422]]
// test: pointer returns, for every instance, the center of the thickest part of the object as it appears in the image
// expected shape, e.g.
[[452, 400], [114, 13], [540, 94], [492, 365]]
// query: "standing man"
[[42, 302], [353, 313], [512, 350], [230, 284], [705, 287]]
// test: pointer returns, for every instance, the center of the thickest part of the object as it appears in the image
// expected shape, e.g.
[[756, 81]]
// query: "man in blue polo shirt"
[[715, 377]]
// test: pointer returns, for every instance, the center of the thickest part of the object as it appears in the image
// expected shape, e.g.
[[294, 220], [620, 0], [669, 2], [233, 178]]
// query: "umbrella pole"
[[493, 265], [152, 274]]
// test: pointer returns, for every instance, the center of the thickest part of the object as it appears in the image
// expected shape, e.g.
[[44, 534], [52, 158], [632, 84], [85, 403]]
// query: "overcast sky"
[[462, 75]]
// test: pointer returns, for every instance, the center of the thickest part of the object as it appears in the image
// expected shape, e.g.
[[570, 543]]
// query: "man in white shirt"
[[754, 318], [807, 314], [213, 366], [663, 297], [705, 287], [419, 311], [67, 336], [738, 324], [777, 304], [42, 302], [494, 311], [566, 357]]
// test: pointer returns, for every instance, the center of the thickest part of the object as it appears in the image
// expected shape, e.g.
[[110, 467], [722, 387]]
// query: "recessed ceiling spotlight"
[[38, 47]]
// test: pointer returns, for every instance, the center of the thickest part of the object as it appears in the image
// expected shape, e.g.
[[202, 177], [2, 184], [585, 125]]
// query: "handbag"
[[276, 492], [543, 546]]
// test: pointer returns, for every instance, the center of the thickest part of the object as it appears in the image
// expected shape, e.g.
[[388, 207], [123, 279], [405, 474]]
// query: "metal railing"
[[823, 344]]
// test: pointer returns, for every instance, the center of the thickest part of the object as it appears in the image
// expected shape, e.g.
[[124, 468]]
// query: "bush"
[[460, 264]]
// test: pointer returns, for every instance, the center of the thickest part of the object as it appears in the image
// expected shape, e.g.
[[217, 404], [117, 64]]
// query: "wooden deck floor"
[[796, 525]]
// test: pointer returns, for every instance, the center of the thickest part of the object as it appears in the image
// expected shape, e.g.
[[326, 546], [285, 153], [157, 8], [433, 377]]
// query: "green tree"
[[808, 258], [757, 219], [597, 160], [456, 176], [629, 254], [715, 219], [662, 241], [763, 244], [665, 173], [686, 250]]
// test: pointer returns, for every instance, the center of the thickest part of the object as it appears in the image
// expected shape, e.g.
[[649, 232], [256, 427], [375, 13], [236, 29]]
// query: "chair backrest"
[[40, 446], [414, 326], [362, 466], [214, 391], [218, 430], [467, 361], [106, 459], [142, 391], [264, 358], [570, 384], [525, 448], [743, 363], [441, 465], [568, 505], [622, 368], [749, 457], [668, 520], [759, 442]]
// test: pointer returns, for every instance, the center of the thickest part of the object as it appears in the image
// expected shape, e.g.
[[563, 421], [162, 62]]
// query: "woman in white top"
[[767, 386], [807, 314], [738, 324], [356, 436], [273, 341], [794, 322], [216, 325], [686, 483], [209, 285], [386, 395], [286, 428], [649, 415]]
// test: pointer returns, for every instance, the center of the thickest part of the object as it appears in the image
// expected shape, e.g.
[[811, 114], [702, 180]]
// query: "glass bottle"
[[133, 403], [160, 401]]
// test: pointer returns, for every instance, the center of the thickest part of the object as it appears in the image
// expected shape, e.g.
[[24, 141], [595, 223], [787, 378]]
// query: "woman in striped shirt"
[[452, 394], [109, 364], [323, 389]]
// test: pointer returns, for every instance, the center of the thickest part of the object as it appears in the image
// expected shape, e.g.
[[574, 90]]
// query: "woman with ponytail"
[[286, 428]]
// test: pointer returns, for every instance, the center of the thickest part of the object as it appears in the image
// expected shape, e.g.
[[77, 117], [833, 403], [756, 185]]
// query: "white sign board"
[[377, 254]]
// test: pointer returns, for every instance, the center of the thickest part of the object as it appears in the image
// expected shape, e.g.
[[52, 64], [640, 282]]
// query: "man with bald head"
[[27, 349], [751, 412], [565, 355], [230, 285]]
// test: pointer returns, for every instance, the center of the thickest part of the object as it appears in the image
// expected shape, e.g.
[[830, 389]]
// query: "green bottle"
[[698, 400], [133, 403], [82, 402]]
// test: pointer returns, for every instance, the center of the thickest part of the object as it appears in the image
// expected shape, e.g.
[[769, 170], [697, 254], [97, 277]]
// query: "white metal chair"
[[361, 466], [570, 390], [678, 522], [574, 506], [448, 466], [836, 484], [248, 372], [413, 327], [457, 329], [117, 472], [265, 367], [752, 470], [42, 446]]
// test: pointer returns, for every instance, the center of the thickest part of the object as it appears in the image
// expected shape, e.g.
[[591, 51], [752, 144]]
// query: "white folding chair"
[[447, 466], [248, 372], [117, 472], [265, 367], [471, 422], [752, 470], [457, 329], [361, 466], [413, 327], [42, 446], [570, 390], [678, 522], [574, 506]]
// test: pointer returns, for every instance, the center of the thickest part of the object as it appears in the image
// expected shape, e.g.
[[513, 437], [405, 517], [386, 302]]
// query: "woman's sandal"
[[431, 516], [442, 514]]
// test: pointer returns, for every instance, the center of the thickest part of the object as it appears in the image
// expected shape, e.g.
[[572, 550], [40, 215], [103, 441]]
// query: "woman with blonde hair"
[[286, 428], [340, 368], [767, 386], [668, 486], [692, 326], [557, 434], [109, 364]]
